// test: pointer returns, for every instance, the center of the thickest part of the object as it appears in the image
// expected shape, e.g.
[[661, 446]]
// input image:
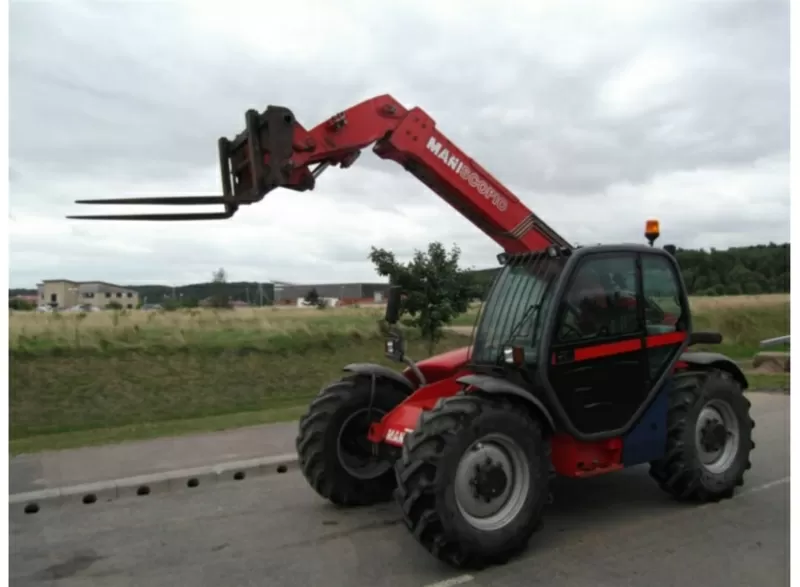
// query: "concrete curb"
[[32, 502]]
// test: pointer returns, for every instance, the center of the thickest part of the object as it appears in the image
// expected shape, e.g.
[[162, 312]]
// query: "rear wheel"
[[709, 438], [334, 454], [473, 480]]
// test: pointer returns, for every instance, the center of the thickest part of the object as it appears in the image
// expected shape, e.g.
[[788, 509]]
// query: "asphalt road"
[[610, 531]]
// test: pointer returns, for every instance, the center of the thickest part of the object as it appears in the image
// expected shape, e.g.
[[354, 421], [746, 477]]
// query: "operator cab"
[[593, 330]]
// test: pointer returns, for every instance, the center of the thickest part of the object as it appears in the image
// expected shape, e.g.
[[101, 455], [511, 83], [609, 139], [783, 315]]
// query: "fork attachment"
[[246, 176]]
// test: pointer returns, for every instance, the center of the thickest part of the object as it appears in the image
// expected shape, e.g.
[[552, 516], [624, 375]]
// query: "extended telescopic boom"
[[276, 151]]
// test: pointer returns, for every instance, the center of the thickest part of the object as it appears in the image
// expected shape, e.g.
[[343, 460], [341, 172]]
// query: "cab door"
[[666, 313], [597, 369]]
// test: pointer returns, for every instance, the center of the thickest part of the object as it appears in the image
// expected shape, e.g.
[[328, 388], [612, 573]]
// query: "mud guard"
[[717, 360], [380, 372], [495, 385]]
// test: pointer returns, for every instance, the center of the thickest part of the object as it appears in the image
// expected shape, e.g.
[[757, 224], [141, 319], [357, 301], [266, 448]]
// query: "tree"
[[21, 304], [188, 302], [312, 297], [750, 270], [170, 305], [219, 299], [434, 289]]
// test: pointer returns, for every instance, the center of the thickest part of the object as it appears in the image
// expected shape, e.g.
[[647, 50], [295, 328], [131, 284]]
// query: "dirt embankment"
[[771, 362]]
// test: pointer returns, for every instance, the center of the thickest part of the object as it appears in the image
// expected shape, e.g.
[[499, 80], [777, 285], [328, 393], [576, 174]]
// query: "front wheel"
[[473, 480], [709, 438], [334, 453]]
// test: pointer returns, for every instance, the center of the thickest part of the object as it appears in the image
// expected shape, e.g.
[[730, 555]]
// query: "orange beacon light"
[[651, 231]]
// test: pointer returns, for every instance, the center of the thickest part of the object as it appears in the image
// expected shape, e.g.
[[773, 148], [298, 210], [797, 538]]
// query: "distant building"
[[346, 293], [65, 293]]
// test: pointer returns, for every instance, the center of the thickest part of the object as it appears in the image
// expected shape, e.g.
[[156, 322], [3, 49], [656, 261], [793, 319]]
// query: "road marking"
[[756, 489], [769, 485], [460, 580]]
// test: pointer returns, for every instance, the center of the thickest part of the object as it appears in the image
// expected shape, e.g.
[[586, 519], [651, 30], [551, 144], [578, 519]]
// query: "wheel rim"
[[717, 436], [492, 482], [355, 450]]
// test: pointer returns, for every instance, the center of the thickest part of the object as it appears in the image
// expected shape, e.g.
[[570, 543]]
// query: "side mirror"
[[513, 355], [393, 305], [395, 347]]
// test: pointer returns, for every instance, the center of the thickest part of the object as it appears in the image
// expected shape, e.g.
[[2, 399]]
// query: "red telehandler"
[[579, 363]]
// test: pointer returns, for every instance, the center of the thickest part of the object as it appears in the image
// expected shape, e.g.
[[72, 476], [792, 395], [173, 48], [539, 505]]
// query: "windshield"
[[513, 311]]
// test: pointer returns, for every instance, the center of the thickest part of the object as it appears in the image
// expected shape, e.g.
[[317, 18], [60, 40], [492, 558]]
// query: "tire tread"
[[675, 472], [416, 473], [329, 482]]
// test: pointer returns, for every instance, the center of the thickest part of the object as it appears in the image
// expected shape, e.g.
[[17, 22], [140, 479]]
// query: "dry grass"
[[267, 319], [701, 303], [33, 332]]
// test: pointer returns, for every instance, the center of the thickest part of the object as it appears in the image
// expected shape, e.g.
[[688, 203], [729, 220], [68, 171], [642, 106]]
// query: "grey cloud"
[[728, 112], [135, 98], [122, 113], [123, 96]]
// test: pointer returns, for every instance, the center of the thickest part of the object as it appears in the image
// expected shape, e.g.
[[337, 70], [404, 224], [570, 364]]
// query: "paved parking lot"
[[609, 531]]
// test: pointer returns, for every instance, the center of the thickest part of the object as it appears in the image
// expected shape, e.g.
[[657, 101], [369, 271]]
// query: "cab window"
[[662, 294], [600, 301]]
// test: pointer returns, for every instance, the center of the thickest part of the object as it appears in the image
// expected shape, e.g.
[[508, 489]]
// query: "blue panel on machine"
[[646, 441]]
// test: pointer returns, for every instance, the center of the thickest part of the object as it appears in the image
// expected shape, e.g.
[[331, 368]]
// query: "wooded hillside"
[[742, 270]]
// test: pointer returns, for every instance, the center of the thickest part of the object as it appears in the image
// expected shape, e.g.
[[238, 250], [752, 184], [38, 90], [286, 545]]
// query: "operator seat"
[[589, 296]]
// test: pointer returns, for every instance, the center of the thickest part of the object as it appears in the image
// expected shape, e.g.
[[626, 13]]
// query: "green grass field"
[[87, 379]]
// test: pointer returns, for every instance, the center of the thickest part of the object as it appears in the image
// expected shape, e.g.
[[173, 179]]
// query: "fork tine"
[[160, 217], [161, 200]]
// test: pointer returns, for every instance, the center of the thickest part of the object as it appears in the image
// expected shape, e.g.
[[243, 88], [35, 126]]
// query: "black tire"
[[681, 472], [426, 476], [318, 442]]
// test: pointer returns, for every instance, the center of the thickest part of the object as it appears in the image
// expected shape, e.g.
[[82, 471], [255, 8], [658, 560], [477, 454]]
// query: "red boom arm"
[[283, 152]]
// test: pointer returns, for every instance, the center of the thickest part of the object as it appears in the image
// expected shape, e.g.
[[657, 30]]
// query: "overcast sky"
[[598, 115]]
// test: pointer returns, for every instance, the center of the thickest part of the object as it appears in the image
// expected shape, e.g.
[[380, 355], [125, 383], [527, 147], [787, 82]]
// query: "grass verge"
[[147, 430], [768, 381], [55, 400], [102, 436], [99, 379]]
